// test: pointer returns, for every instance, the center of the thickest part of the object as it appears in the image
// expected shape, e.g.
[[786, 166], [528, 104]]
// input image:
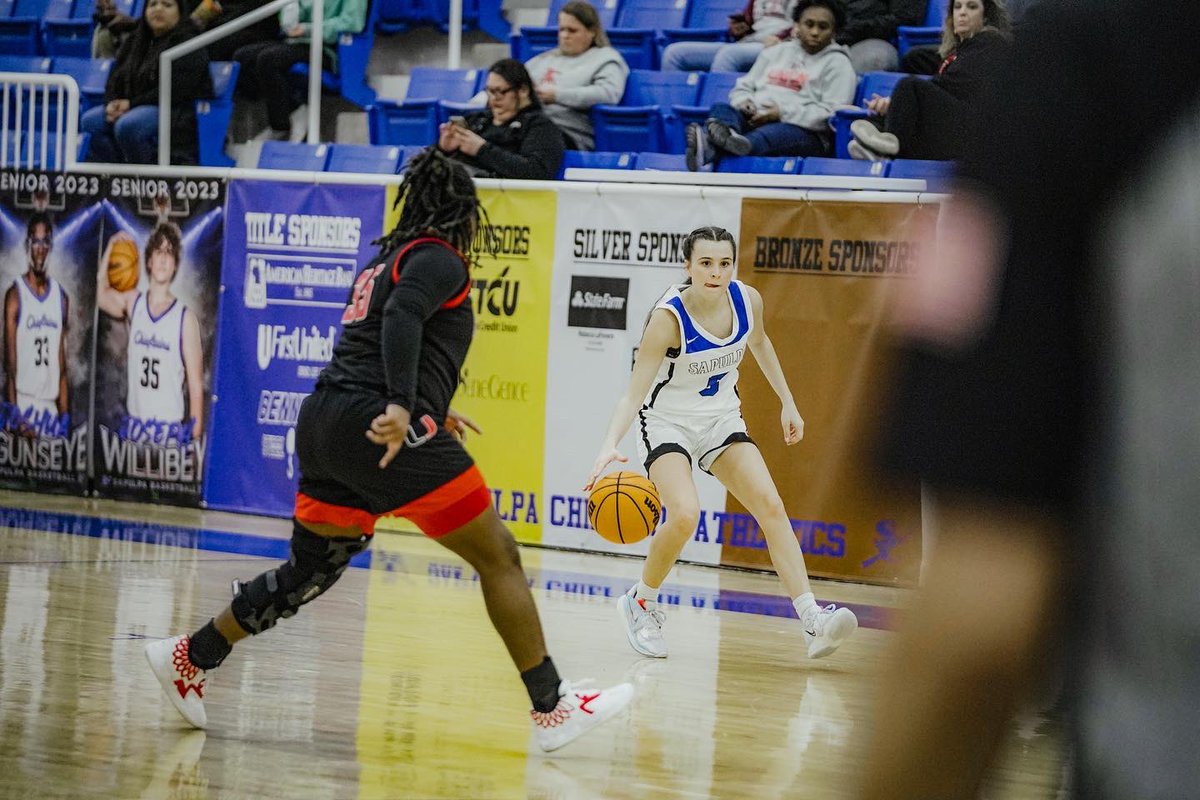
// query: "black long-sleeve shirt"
[[406, 330], [878, 19], [528, 146]]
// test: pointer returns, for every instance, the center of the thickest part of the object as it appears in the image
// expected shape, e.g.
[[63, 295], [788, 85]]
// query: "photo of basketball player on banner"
[[47, 243], [157, 282]]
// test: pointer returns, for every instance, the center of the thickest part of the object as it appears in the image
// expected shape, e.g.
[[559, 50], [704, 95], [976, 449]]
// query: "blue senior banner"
[[292, 252]]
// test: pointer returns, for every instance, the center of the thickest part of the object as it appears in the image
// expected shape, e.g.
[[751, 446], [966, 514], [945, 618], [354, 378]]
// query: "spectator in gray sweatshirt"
[[782, 106], [581, 72]]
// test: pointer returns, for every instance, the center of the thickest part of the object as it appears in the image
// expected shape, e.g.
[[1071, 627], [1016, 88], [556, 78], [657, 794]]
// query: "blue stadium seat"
[[20, 28], [34, 64], [938, 175], [706, 21], [406, 155], [368, 158], [761, 165], [872, 83], [597, 160], [715, 89], [843, 166], [212, 116], [353, 51], [641, 121], [635, 34], [31, 154], [665, 162], [415, 120], [909, 36], [293, 155], [533, 40], [90, 74]]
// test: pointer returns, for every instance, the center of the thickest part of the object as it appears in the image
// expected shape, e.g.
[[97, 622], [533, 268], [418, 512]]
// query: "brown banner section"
[[825, 271]]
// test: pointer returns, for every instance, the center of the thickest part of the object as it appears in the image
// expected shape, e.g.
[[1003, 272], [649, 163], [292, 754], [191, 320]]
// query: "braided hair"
[[439, 200]]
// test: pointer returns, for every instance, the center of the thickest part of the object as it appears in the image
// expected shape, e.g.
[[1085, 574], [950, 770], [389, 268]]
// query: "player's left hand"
[[457, 424], [389, 430], [793, 425]]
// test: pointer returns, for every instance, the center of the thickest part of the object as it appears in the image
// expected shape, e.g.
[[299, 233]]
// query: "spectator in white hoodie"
[[581, 72], [782, 106]]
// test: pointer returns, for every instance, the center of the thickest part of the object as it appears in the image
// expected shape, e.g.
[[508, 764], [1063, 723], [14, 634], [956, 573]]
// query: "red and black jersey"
[[406, 328]]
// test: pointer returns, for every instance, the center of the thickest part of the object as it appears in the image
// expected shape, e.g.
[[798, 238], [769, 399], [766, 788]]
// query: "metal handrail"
[[66, 128], [316, 47]]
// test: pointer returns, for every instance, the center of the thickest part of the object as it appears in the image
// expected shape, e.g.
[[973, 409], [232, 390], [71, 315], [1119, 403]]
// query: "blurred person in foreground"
[[1046, 391]]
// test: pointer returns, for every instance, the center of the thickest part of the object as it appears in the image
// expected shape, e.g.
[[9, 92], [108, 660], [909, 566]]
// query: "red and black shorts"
[[436, 485]]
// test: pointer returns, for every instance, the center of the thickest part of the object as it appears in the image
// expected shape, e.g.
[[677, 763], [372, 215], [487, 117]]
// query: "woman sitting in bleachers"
[[125, 129], [782, 106], [578, 74], [265, 65], [512, 138], [931, 119]]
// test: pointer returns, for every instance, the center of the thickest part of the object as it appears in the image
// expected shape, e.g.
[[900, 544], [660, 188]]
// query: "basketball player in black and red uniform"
[[371, 441]]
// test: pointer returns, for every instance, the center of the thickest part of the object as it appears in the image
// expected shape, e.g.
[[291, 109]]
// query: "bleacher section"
[[644, 131]]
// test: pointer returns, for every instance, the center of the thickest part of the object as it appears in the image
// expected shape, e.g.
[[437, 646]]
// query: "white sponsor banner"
[[615, 254]]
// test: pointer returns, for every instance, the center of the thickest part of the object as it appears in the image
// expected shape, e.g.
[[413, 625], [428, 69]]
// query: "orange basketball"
[[624, 507], [123, 265]]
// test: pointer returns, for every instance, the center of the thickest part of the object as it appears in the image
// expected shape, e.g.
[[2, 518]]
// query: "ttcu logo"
[[497, 296]]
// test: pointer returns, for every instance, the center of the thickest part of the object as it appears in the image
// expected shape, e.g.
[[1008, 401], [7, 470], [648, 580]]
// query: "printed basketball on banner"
[[598, 302], [156, 291]]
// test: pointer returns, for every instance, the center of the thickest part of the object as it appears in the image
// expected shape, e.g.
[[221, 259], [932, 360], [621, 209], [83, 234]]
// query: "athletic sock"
[[542, 684], [208, 647], [647, 594], [805, 604]]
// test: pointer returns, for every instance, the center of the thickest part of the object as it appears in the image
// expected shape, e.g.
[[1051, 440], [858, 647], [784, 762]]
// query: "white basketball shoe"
[[643, 625], [579, 710], [827, 628], [181, 680]]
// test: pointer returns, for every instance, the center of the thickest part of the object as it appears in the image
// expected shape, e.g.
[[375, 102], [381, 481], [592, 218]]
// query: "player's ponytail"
[[439, 199]]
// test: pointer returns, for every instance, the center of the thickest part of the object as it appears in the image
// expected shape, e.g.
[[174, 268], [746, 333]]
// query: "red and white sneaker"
[[181, 680], [579, 710]]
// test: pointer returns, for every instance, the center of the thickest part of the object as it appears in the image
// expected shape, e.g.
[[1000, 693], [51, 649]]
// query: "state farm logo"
[[598, 302]]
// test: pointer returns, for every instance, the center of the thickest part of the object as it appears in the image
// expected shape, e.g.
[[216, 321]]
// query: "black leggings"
[[264, 74], [930, 122]]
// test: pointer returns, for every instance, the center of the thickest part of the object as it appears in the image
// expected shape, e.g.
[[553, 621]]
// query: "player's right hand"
[[389, 430], [605, 458]]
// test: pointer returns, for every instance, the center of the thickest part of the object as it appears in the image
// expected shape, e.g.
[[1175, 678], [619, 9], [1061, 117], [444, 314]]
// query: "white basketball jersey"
[[155, 364], [701, 378], [39, 336]]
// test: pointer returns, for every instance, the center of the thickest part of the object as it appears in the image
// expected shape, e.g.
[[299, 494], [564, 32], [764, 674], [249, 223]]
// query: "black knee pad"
[[315, 564]]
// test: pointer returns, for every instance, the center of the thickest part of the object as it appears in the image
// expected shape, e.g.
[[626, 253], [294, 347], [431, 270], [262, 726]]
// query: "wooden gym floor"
[[394, 685]]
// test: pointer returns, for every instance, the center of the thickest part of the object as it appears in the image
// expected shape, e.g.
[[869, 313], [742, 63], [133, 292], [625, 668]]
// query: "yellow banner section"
[[413, 687], [825, 271], [503, 382]]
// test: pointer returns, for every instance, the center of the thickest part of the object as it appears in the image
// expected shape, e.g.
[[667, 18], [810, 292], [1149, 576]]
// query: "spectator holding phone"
[[512, 137]]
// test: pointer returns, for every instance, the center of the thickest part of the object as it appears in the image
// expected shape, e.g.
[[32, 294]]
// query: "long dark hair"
[[439, 200], [513, 73], [995, 17]]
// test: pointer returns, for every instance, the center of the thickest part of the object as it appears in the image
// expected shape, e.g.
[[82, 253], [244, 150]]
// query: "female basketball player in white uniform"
[[165, 358], [683, 393]]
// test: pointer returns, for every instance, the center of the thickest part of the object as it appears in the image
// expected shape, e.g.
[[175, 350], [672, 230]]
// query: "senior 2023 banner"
[[156, 291], [292, 251], [48, 247]]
